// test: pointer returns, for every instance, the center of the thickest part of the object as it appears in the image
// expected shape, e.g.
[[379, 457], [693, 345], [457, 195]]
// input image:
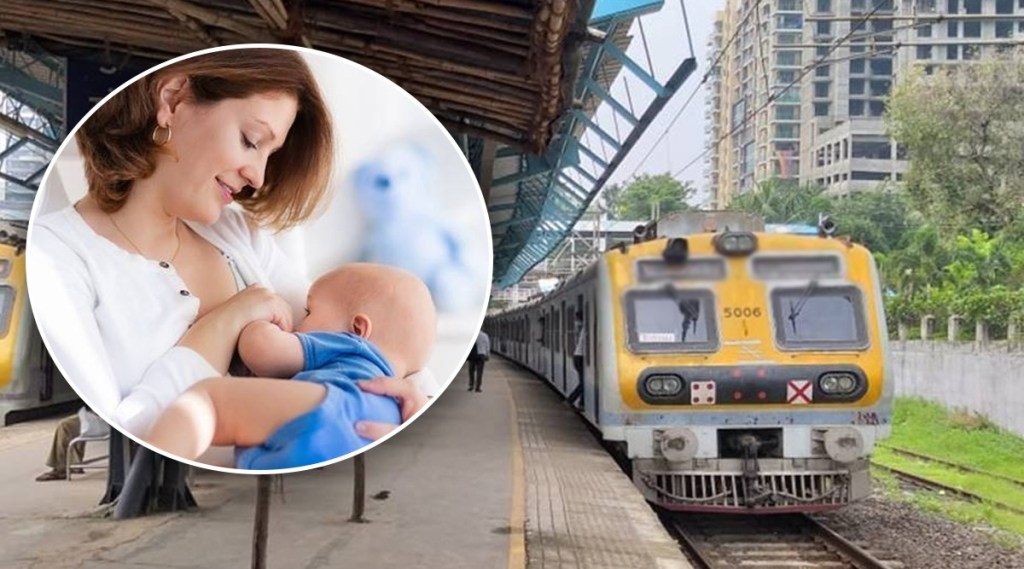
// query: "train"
[[30, 383], [735, 369]]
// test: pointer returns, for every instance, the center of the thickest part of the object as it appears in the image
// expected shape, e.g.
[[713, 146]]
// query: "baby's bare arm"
[[228, 411], [269, 351]]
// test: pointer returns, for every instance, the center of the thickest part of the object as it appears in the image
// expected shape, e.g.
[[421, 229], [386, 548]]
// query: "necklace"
[[136, 247]]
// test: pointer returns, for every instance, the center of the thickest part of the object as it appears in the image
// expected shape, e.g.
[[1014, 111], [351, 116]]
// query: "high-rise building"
[[830, 130], [845, 143], [752, 137]]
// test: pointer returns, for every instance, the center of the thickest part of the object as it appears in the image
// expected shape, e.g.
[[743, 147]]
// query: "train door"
[[563, 364], [526, 340], [591, 358]]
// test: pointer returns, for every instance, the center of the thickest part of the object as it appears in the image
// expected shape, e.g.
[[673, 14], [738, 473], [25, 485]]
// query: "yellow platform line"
[[517, 512]]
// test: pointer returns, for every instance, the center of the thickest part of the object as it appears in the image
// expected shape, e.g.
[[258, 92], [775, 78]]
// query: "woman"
[[142, 288]]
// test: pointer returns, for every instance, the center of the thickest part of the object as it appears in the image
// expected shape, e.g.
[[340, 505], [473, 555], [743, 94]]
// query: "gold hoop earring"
[[158, 136]]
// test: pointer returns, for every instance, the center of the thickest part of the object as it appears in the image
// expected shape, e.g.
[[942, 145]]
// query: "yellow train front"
[[737, 371], [30, 383]]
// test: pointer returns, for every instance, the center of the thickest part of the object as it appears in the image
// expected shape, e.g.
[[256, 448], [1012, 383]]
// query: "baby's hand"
[[268, 351]]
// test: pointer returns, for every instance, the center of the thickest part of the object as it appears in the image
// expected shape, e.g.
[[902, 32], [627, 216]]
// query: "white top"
[[482, 347], [111, 318], [581, 343]]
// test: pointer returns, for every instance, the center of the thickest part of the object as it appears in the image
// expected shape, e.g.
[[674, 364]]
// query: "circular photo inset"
[[259, 258]]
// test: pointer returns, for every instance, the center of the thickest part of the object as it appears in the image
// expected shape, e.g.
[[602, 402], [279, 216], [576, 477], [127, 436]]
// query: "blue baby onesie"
[[336, 361]]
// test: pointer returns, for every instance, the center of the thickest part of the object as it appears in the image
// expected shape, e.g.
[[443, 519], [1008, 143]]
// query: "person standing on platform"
[[577, 358], [478, 356]]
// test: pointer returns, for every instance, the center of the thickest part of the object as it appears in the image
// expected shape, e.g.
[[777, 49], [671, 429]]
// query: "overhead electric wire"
[[774, 95], [693, 94]]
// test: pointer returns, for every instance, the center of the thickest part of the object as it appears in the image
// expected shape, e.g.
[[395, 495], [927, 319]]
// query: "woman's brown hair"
[[116, 141]]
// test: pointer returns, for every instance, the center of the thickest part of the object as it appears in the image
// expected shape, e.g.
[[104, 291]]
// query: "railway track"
[[930, 484], [776, 541], [954, 465]]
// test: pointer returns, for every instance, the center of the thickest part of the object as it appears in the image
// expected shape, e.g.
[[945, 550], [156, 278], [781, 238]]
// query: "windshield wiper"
[[794, 311], [688, 307]]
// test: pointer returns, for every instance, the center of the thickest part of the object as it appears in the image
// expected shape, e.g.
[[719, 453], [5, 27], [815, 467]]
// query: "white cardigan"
[[111, 318]]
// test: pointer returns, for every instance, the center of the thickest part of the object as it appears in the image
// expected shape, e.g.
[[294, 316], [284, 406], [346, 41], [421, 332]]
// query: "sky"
[[666, 39]]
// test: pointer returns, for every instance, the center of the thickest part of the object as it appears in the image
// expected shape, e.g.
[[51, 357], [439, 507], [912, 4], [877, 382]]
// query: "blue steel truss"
[[553, 190], [32, 95]]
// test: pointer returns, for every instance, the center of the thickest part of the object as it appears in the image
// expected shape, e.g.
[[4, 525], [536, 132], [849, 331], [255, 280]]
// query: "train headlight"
[[837, 383], [734, 244], [663, 385]]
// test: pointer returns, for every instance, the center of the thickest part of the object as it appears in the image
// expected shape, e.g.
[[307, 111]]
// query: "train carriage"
[[736, 370], [29, 380]]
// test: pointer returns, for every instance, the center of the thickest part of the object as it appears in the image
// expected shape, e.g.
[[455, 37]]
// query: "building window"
[[1004, 29], [787, 131], [857, 49], [787, 38], [821, 90], [785, 76], [822, 52], [871, 148], [790, 22], [881, 66], [824, 5], [972, 6], [876, 108], [880, 88], [972, 29], [824, 28], [858, 4], [857, 86], [823, 71], [821, 109], [952, 6], [1004, 6], [787, 112], [952, 51], [1020, 25], [790, 5], [856, 108], [924, 31], [787, 57], [952, 30], [881, 25], [857, 66], [924, 52], [870, 176]]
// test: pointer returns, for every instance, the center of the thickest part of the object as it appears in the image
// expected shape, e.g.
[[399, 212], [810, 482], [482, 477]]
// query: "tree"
[[963, 129], [780, 201], [878, 219], [638, 199]]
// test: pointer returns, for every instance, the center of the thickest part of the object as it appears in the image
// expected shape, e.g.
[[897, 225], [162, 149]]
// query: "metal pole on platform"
[[261, 522], [359, 490]]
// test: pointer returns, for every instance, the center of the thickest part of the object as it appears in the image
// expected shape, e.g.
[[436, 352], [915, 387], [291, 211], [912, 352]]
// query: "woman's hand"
[[410, 400], [259, 303], [215, 335]]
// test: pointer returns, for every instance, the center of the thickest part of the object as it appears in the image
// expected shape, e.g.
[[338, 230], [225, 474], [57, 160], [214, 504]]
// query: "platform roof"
[[491, 68]]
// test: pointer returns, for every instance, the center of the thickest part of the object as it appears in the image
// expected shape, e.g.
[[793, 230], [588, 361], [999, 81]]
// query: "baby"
[[363, 321]]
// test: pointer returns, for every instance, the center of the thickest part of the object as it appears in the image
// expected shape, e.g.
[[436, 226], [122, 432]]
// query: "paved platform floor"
[[461, 487]]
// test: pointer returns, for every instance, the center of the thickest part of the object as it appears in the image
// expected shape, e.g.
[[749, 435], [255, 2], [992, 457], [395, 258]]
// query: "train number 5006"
[[742, 312]]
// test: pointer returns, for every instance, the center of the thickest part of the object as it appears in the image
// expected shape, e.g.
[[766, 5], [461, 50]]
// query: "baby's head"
[[387, 306]]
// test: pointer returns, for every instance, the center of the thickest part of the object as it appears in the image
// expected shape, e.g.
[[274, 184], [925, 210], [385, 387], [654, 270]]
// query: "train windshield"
[[815, 317], [670, 320]]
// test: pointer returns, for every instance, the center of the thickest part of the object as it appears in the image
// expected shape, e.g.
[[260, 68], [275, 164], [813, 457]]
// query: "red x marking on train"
[[798, 392]]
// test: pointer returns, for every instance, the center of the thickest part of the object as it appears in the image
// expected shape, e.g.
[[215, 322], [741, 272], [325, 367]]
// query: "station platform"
[[506, 478]]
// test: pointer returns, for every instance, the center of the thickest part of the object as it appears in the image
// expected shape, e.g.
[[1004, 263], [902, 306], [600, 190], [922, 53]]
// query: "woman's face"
[[220, 148]]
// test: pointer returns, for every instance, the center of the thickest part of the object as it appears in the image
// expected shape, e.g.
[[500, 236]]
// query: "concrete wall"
[[988, 380]]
